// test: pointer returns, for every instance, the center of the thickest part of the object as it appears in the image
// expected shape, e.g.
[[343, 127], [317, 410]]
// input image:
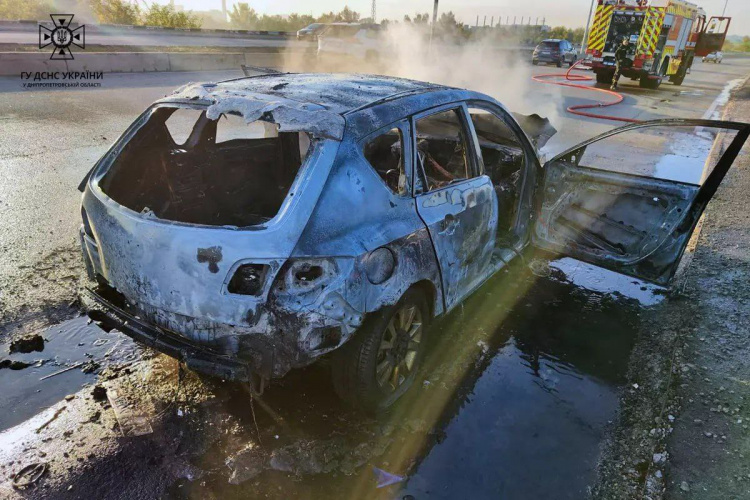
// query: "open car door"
[[629, 200]]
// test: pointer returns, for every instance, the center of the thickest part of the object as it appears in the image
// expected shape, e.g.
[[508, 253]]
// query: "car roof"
[[552, 40], [340, 93]]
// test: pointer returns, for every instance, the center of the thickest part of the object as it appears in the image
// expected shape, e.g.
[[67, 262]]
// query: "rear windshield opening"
[[183, 167]]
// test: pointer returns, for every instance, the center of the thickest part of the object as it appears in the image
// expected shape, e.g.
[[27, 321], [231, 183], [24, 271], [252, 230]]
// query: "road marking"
[[722, 98]]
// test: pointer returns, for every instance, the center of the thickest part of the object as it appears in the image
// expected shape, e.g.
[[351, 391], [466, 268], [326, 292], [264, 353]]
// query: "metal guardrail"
[[126, 27]]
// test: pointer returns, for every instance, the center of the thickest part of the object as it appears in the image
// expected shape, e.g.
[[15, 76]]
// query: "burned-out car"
[[251, 226]]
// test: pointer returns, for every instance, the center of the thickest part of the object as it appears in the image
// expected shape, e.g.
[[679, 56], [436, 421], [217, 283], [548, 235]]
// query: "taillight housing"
[[248, 279]]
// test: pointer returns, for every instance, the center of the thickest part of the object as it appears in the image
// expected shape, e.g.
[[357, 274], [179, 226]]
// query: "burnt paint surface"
[[337, 211], [212, 255], [635, 225], [462, 221]]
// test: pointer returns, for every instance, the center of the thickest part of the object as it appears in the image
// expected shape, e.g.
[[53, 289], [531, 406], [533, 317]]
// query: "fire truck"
[[665, 36]]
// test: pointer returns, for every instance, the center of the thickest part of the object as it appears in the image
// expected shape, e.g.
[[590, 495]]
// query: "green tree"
[[243, 16], [27, 9], [346, 15], [115, 12], [418, 18], [167, 17]]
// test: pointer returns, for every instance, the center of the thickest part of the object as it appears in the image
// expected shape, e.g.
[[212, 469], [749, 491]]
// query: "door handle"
[[448, 224]]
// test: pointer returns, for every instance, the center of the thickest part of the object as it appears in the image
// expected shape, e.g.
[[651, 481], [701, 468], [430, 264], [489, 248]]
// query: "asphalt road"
[[491, 389], [107, 36]]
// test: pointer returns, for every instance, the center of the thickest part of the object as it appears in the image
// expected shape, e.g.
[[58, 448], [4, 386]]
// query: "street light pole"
[[586, 29], [434, 22]]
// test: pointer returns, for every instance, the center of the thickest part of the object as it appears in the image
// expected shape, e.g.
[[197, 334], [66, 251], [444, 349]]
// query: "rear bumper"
[[109, 308], [543, 58]]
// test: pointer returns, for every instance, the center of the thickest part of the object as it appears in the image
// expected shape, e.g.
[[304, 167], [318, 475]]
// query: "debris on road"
[[67, 369], [246, 464], [13, 364], [29, 475], [52, 419], [27, 344], [132, 418]]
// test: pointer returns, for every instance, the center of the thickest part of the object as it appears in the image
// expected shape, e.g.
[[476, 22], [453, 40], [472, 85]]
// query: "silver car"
[[251, 226], [715, 57]]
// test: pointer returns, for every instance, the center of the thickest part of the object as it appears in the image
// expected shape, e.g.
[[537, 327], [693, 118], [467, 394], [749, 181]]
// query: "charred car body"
[[251, 226]]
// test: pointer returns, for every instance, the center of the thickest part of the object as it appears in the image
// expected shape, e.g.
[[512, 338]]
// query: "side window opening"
[[504, 161], [181, 123], [225, 173], [442, 149], [385, 154]]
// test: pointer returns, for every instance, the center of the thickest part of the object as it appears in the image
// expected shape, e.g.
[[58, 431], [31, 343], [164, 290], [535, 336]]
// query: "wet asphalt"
[[517, 394]]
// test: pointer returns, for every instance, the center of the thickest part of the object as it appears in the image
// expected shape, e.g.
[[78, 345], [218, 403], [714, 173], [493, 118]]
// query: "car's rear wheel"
[[379, 364]]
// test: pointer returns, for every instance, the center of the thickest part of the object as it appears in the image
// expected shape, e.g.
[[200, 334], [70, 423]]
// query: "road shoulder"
[[682, 431]]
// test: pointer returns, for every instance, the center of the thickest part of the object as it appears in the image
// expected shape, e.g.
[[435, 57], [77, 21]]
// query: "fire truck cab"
[[665, 36]]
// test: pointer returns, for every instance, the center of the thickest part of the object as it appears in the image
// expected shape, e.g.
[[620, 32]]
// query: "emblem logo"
[[61, 36]]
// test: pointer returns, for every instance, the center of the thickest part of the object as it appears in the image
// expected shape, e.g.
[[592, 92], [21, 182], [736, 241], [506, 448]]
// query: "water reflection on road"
[[513, 402]]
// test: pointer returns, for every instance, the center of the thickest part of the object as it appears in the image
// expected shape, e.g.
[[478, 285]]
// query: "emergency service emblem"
[[62, 37]]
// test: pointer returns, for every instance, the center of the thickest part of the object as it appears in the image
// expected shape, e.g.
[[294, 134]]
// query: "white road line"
[[722, 98]]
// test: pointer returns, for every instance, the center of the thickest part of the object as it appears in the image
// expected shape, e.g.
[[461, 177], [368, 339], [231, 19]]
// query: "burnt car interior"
[[504, 159], [441, 149], [384, 153], [183, 167], [441, 152], [608, 217]]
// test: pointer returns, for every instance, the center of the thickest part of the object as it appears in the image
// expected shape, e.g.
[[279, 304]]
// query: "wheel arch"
[[428, 289]]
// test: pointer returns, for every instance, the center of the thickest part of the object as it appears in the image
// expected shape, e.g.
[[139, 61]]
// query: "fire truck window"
[[624, 25]]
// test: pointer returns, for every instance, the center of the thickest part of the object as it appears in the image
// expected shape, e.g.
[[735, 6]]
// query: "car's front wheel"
[[379, 364]]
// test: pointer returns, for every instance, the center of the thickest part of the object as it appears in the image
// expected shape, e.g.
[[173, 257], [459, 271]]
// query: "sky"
[[571, 13]]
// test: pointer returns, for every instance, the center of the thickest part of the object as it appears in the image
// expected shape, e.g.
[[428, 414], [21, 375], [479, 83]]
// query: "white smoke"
[[482, 65]]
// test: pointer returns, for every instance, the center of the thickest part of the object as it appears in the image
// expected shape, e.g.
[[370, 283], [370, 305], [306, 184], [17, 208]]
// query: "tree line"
[[243, 16]]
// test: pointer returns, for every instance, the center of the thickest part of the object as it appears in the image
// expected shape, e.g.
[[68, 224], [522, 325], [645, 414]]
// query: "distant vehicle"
[[311, 32], [356, 40], [715, 57], [555, 52]]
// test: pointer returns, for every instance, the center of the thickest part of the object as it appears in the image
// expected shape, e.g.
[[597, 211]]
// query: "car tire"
[[559, 63], [369, 376], [535, 63]]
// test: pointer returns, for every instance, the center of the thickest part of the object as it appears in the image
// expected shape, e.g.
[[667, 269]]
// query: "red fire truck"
[[665, 36]]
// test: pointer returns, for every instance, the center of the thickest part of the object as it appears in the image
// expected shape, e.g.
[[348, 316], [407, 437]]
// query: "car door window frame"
[[473, 155], [532, 168], [404, 126]]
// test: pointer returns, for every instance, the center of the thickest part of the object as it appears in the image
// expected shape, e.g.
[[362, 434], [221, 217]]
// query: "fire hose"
[[576, 110]]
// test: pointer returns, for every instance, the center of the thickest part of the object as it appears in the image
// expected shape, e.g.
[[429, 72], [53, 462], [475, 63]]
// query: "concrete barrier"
[[13, 63]]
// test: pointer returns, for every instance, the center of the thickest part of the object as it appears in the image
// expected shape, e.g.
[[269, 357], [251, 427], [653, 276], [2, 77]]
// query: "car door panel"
[[461, 217], [633, 224], [462, 221]]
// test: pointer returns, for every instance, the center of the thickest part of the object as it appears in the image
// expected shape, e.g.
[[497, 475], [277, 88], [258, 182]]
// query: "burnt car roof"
[[321, 104], [338, 92]]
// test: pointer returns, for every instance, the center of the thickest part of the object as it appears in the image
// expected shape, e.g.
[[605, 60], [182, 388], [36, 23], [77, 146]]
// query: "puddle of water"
[[519, 385], [604, 281], [23, 394]]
